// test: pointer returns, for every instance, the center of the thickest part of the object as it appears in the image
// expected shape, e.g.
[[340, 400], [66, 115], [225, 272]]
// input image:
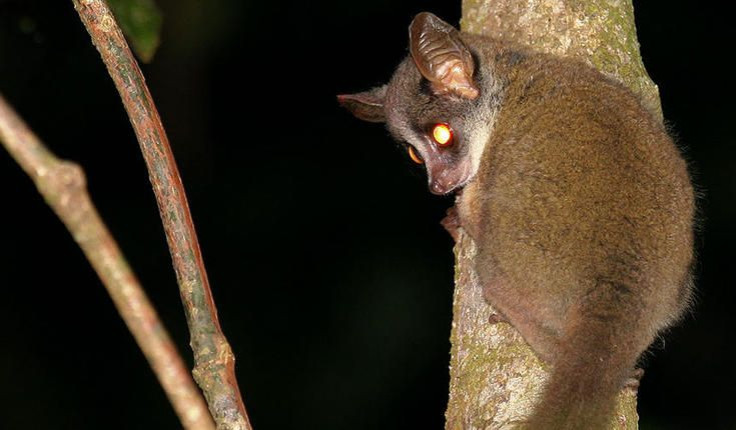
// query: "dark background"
[[332, 276]]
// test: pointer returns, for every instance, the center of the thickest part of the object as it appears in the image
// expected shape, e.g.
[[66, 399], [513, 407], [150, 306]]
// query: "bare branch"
[[214, 362], [62, 185]]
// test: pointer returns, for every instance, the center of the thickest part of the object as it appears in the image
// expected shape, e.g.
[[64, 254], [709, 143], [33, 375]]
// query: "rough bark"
[[495, 378]]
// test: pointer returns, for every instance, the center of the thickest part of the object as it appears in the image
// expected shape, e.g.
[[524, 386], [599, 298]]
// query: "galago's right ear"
[[442, 57], [367, 105]]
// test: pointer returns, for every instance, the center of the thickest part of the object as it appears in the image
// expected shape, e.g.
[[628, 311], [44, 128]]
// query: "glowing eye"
[[442, 134], [414, 156]]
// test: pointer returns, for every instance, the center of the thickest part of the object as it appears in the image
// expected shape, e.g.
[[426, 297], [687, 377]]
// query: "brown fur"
[[584, 213], [582, 210]]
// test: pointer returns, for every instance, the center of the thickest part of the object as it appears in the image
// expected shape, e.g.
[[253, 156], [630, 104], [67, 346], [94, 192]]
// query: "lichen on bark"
[[600, 32], [495, 378]]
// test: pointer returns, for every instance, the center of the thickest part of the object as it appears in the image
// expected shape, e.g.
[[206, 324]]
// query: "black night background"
[[332, 275]]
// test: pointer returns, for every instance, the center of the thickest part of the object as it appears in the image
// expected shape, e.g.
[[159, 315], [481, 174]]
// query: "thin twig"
[[214, 362], [63, 186]]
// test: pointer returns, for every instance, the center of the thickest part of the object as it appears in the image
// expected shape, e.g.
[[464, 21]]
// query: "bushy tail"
[[603, 341]]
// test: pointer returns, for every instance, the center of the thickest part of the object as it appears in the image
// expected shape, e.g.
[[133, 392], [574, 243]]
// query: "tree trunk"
[[495, 377]]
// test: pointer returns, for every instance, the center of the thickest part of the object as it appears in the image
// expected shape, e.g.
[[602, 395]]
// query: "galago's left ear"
[[367, 105], [441, 56]]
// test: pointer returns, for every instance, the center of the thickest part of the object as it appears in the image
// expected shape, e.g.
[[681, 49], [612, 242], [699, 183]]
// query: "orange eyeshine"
[[414, 156], [442, 134]]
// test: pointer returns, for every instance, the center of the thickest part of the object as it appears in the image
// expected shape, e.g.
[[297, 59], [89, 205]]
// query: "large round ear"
[[367, 105], [441, 56]]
